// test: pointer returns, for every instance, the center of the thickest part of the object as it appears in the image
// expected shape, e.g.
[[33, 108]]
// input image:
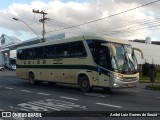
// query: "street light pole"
[[28, 26]]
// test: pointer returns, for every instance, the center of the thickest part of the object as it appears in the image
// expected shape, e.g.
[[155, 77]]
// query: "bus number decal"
[[38, 62], [57, 61], [29, 62]]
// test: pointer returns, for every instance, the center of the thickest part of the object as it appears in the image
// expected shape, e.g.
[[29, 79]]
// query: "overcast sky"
[[136, 24]]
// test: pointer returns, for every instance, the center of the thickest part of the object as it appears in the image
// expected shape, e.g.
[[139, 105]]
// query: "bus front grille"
[[129, 79]]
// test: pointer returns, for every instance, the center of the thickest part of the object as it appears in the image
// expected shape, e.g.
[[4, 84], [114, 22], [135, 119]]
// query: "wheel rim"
[[84, 84], [31, 79]]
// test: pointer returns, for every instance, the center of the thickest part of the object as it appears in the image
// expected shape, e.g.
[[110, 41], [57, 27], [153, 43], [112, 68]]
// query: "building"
[[150, 49], [6, 43]]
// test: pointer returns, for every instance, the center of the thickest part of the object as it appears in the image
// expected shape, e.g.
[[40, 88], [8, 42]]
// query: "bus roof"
[[78, 38]]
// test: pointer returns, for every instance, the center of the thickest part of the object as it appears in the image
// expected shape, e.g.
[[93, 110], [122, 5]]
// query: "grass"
[[147, 78], [154, 87]]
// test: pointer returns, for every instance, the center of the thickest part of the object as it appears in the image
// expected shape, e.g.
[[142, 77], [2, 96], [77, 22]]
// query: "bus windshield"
[[125, 60]]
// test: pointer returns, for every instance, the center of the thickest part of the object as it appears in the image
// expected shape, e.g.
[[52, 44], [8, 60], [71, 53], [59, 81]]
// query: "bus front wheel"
[[84, 84], [31, 79]]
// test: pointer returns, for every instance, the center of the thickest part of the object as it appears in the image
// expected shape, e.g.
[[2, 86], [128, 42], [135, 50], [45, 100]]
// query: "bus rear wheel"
[[84, 84], [31, 79]]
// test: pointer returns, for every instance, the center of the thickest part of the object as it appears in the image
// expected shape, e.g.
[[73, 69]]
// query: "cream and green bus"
[[87, 61]]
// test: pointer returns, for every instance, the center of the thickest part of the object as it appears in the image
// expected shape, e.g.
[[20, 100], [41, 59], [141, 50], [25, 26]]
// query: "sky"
[[136, 24]]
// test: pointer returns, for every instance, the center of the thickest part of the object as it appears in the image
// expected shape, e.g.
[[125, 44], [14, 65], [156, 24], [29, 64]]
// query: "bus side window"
[[62, 50], [28, 53], [37, 52], [49, 51], [66, 53], [77, 49], [20, 54]]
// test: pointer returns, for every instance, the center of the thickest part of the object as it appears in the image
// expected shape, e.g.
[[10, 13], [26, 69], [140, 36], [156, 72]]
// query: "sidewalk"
[[6, 73]]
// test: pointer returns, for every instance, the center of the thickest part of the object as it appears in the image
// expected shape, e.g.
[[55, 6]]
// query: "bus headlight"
[[115, 81], [115, 85]]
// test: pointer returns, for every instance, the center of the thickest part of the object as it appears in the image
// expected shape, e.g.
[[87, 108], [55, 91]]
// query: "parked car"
[[2, 68], [12, 67]]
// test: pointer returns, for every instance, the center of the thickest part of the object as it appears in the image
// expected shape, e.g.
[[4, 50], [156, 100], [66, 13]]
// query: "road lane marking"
[[15, 108], [69, 98], [109, 105], [158, 97], [43, 94], [47, 105], [41, 106], [25, 91], [9, 88], [96, 95]]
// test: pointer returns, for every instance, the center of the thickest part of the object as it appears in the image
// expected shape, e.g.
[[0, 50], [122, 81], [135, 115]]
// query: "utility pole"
[[43, 21]]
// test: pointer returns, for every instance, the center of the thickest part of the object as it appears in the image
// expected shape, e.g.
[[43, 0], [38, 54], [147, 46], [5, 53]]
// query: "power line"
[[107, 16], [147, 24], [63, 25], [134, 24]]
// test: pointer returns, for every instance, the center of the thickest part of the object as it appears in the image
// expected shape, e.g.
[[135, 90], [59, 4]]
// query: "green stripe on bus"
[[87, 67]]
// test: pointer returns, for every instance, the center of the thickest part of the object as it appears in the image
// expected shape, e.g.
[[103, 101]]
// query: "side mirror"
[[113, 51], [142, 55], [111, 48]]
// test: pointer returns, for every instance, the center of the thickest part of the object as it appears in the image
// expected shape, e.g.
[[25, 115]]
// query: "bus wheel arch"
[[84, 83], [31, 78]]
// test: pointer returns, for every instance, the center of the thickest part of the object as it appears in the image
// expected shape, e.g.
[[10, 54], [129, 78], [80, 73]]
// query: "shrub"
[[152, 67], [145, 69], [154, 87]]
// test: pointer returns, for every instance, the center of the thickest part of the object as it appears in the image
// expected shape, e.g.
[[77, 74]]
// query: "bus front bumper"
[[118, 83]]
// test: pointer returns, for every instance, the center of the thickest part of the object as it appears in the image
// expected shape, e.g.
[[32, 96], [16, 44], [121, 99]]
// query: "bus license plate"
[[130, 85]]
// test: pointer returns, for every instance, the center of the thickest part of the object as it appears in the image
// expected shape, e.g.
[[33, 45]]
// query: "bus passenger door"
[[103, 61]]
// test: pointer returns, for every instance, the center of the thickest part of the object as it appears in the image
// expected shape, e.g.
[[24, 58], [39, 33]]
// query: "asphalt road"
[[19, 95]]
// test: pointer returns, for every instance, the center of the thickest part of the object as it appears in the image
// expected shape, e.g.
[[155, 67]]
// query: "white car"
[[12, 67], [2, 68]]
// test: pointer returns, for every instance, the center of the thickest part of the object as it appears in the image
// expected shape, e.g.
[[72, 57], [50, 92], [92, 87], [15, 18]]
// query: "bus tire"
[[84, 84], [32, 79]]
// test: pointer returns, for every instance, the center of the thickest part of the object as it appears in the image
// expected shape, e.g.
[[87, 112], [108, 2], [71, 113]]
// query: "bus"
[[87, 61]]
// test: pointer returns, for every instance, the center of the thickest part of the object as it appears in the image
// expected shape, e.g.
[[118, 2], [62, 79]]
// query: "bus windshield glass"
[[124, 62]]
